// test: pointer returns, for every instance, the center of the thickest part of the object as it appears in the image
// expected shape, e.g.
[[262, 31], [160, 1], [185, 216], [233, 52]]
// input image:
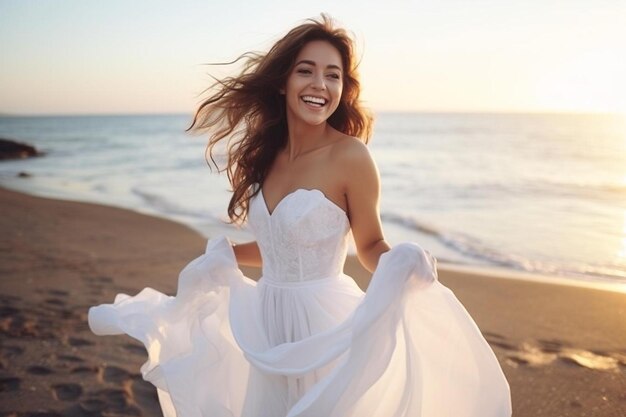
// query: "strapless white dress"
[[305, 340]]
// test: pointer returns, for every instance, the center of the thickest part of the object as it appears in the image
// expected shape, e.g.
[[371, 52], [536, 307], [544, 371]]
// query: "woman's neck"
[[303, 138]]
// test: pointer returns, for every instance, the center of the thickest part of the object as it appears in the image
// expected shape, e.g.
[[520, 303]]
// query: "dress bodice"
[[304, 238]]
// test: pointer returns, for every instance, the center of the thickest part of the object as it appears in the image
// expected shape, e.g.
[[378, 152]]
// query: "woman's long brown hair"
[[249, 110]]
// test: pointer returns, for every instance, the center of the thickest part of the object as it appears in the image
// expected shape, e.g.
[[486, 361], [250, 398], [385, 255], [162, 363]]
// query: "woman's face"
[[314, 86]]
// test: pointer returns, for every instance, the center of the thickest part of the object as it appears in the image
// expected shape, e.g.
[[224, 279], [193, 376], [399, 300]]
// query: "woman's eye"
[[308, 71]]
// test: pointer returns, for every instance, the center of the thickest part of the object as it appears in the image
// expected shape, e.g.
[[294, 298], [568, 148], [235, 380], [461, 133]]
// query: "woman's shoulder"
[[350, 151], [352, 156], [346, 146]]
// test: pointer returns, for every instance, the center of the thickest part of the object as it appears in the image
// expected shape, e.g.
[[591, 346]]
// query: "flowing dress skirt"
[[226, 345]]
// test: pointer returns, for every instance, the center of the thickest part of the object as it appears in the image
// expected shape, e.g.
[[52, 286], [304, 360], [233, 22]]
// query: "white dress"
[[305, 340]]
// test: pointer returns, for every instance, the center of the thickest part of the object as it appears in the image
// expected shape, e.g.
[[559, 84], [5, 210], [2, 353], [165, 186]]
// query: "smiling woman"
[[305, 340]]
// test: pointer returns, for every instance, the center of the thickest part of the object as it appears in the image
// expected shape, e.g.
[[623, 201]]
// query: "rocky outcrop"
[[10, 149]]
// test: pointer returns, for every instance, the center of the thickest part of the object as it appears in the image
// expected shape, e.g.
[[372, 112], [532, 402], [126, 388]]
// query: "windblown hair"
[[250, 111]]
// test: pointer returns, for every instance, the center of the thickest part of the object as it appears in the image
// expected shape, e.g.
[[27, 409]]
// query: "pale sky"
[[146, 56]]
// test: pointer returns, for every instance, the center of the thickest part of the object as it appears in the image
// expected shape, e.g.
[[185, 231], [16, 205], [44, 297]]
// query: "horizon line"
[[433, 111]]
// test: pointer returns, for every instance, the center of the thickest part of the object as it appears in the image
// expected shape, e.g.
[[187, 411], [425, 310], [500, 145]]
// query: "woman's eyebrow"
[[306, 61]]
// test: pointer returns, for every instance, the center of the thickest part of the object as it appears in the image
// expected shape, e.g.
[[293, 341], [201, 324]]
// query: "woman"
[[305, 340]]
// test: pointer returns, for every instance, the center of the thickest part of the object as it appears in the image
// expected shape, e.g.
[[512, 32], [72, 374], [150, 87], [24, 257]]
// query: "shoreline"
[[562, 348], [504, 273], [469, 269]]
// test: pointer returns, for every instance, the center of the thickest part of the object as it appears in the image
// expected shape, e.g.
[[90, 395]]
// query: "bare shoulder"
[[355, 163], [352, 151]]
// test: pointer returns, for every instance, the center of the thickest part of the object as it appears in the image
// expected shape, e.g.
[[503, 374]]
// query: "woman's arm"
[[362, 189], [248, 254]]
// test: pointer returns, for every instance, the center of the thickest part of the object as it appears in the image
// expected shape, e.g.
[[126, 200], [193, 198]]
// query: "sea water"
[[541, 193]]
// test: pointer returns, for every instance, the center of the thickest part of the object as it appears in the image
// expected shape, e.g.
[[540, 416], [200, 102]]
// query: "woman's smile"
[[317, 102]]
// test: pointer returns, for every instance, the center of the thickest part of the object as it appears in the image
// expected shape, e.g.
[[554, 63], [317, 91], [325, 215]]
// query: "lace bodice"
[[304, 238]]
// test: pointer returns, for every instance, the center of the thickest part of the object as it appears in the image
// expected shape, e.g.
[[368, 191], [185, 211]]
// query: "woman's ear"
[[281, 91]]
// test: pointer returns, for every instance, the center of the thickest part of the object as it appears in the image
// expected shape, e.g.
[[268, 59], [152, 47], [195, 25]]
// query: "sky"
[[148, 56]]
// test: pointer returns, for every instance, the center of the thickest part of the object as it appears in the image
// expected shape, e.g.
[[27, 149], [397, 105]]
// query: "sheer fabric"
[[305, 340]]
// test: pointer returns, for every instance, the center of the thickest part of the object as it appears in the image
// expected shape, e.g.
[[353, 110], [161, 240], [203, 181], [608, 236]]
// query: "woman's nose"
[[318, 82]]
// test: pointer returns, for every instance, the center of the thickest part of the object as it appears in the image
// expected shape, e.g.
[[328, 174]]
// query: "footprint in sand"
[[19, 325], [77, 341], [114, 397], [70, 358], [10, 384], [85, 370], [11, 350], [114, 374], [92, 405], [551, 345], [39, 370], [495, 339], [67, 314], [82, 326], [135, 349], [493, 335], [146, 396], [95, 281], [7, 311], [67, 392], [502, 344], [60, 293], [54, 301]]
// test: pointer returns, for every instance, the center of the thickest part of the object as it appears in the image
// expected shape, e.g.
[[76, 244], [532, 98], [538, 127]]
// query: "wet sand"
[[562, 348]]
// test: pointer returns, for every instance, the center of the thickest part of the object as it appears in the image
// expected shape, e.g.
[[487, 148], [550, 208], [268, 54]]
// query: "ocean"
[[537, 193]]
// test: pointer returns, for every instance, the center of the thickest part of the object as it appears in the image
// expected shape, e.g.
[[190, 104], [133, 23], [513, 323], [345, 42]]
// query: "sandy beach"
[[562, 348]]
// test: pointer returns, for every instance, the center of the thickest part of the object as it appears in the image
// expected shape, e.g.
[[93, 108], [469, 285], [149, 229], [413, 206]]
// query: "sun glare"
[[591, 80]]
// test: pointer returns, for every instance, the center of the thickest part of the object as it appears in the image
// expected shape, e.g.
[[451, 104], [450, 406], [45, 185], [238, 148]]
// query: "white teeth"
[[314, 100]]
